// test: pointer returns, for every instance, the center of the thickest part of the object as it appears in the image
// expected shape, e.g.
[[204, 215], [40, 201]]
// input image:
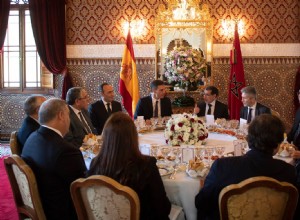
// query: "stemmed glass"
[[154, 122], [177, 152], [220, 151], [165, 152], [199, 153], [154, 150], [208, 153]]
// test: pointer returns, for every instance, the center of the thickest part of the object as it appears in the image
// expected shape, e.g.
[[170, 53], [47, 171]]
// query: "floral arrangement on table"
[[184, 66], [185, 129]]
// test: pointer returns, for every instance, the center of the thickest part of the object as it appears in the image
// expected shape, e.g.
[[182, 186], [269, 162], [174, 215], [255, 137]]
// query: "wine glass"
[[154, 150], [208, 153], [177, 151], [154, 121], [165, 152], [220, 151], [199, 153]]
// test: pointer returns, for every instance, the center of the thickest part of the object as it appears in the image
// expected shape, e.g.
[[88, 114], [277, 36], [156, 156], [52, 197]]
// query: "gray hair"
[[31, 104], [73, 94], [249, 90], [50, 108]]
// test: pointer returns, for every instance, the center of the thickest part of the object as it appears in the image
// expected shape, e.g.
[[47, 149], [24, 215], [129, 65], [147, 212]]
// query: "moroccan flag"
[[129, 84], [237, 78]]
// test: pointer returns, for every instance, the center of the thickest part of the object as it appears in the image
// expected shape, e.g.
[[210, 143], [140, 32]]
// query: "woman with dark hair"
[[121, 160]]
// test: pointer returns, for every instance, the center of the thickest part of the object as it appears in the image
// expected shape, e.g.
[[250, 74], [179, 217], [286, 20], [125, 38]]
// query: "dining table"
[[183, 189]]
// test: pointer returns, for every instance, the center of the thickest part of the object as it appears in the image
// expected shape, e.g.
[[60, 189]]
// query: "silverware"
[[172, 176]]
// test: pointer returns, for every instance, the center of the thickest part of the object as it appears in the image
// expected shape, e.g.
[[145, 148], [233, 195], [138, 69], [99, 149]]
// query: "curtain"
[[4, 13], [48, 24]]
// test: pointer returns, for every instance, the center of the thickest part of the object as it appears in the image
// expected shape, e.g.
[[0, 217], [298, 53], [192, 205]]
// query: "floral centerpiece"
[[185, 129], [184, 66]]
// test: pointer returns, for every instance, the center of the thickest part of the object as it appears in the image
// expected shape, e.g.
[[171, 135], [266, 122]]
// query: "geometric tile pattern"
[[12, 113], [272, 77], [100, 21]]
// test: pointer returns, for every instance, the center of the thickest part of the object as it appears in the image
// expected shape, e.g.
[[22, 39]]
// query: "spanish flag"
[[129, 84]]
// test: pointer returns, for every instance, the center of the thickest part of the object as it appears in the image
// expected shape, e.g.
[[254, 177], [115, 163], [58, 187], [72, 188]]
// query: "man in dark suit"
[[81, 125], [55, 162], [265, 133], [294, 134], [102, 109], [30, 124], [211, 106], [156, 104], [251, 107]]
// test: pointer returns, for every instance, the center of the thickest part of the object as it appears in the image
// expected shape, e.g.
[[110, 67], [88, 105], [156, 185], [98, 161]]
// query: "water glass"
[[165, 152], [220, 151]]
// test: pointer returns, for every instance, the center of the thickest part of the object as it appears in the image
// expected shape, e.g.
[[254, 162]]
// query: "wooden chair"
[[273, 112], [24, 187], [100, 197], [13, 143], [258, 198]]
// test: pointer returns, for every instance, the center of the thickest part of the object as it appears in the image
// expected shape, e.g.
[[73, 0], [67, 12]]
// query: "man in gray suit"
[[251, 107], [78, 101]]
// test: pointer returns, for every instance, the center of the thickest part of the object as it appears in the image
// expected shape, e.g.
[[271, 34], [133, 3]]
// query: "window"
[[21, 66]]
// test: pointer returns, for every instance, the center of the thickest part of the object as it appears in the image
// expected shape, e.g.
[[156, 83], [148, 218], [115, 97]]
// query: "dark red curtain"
[[48, 24], [4, 12]]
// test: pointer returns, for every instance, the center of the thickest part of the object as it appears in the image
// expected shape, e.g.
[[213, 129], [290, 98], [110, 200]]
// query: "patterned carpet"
[[8, 209]]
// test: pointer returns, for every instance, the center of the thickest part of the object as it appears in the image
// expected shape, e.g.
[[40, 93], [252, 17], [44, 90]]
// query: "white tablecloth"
[[182, 190]]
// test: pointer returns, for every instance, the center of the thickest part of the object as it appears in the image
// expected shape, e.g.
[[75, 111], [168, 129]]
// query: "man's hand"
[[196, 109]]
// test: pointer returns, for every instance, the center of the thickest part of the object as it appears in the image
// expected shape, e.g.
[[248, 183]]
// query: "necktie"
[[209, 109], [108, 108], [85, 125], [156, 110], [249, 117]]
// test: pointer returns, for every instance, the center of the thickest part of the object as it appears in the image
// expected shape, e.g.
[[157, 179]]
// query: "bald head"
[[55, 113]]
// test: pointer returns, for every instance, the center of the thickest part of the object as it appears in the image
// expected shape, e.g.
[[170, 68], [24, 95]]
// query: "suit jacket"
[[293, 131], [232, 170], [145, 107], [77, 132], [148, 184], [56, 164], [29, 125], [260, 109], [99, 115], [221, 110]]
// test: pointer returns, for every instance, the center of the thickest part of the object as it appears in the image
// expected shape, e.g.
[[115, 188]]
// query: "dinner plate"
[[284, 156], [159, 128], [164, 171]]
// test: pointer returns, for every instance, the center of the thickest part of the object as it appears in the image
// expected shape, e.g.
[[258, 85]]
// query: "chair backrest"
[[13, 143], [100, 197], [273, 112], [258, 198], [24, 187]]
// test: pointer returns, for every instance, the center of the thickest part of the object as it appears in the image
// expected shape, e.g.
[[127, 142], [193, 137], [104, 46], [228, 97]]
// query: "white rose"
[[186, 136]]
